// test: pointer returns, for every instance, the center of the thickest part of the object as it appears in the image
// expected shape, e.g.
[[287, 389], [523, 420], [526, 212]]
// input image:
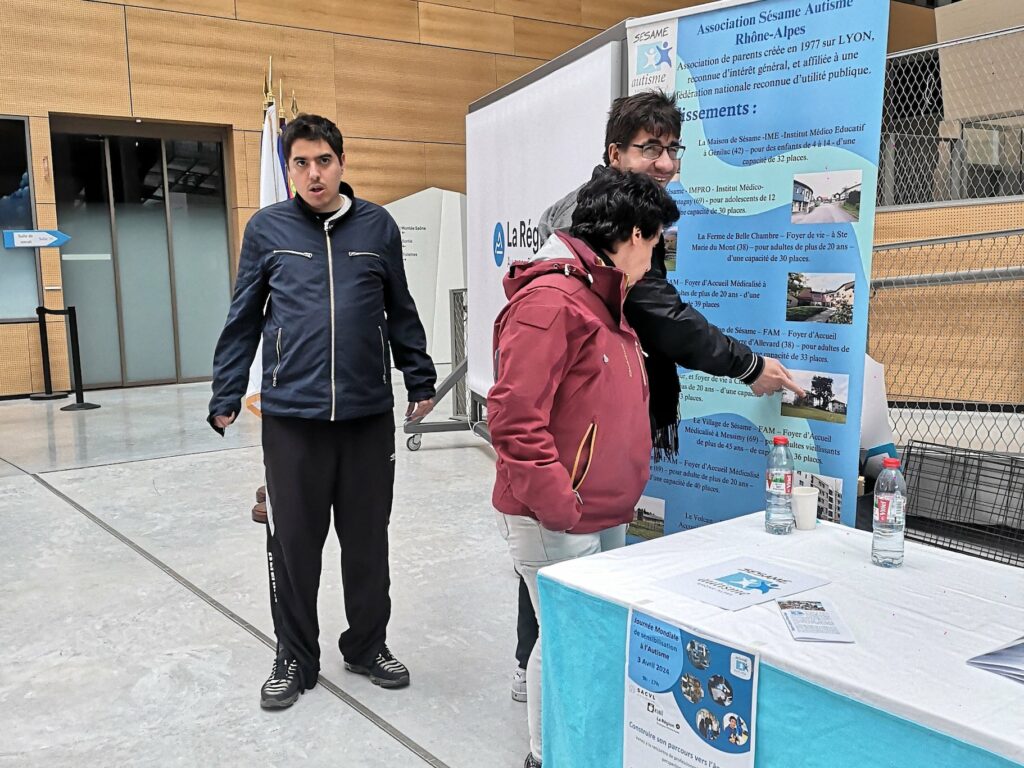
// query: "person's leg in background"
[[300, 485], [526, 638], [532, 547]]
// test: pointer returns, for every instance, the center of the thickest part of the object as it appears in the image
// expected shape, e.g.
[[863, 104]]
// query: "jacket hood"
[[563, 253]]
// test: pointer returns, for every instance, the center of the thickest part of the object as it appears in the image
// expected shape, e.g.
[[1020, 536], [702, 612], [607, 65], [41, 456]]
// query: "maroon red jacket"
[[568, 410]]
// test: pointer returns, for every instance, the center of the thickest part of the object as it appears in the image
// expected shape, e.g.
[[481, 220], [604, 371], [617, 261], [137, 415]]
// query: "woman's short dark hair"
[[651, 111], [612, 203], [311, 128]]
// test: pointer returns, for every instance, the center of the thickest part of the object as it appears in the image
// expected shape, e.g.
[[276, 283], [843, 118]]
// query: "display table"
[[901, 696]]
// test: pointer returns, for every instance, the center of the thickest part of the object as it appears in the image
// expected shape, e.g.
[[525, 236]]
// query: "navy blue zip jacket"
[[338, 301]]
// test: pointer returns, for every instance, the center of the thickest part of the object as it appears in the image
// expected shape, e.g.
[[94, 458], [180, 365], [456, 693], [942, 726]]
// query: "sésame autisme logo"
[[653, 60]]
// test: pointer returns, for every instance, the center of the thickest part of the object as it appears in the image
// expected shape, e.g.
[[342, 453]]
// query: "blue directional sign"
[[34, 238]]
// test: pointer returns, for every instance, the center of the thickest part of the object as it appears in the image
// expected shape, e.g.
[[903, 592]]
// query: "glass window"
[[19, 287], [199, 234]]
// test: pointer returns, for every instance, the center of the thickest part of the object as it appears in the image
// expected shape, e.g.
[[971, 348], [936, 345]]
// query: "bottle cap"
[[780, 440], [891, 463]]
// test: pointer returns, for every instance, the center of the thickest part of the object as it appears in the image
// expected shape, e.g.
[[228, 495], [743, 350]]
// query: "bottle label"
[[780, 481], [889, 509]]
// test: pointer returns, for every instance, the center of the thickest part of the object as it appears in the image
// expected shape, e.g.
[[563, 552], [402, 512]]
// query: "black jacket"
[[336, 302]]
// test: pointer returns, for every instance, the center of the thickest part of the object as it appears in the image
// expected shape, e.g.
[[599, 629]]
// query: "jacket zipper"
[[296, 253], [591, 435], [640, 355], [625, 356], [383, 355], [278, 366], [364, 253], [330, 283]]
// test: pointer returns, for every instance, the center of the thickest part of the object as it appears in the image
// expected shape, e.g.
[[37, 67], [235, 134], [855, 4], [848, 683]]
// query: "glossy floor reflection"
[[138, 597]]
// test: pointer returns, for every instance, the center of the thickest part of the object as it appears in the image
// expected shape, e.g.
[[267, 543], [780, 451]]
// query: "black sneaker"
[[386, 671], [531, 761], [283, 686]]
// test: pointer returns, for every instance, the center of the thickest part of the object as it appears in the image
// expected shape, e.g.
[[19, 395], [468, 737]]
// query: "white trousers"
[[532, 547]]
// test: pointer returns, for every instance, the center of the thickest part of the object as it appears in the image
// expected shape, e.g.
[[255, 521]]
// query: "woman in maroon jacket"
[[568, 410]]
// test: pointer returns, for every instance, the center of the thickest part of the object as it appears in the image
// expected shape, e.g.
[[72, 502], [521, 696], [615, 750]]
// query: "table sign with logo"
[[690, 701], [741, 582]]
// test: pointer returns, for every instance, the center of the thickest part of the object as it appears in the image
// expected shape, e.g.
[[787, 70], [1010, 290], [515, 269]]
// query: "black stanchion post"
[[76, 364], [44, 346]]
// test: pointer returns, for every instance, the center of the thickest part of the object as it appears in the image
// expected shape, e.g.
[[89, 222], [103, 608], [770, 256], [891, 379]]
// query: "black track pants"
[[312, 467]]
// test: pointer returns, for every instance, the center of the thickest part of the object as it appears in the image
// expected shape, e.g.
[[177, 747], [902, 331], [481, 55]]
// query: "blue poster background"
[[781, 103]]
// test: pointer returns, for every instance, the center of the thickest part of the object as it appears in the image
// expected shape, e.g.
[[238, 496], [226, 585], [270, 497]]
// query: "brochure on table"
[[1007, 661], [690, 701], [814, 621], [741, 582], [781, 103]]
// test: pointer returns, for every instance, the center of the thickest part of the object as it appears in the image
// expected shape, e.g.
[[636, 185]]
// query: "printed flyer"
[[690, 701], [781, 103]]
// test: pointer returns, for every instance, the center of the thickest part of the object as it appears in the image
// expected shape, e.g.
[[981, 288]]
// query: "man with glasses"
[[642, 136]]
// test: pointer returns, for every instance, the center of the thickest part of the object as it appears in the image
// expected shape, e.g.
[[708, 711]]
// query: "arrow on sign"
[[34, 238]]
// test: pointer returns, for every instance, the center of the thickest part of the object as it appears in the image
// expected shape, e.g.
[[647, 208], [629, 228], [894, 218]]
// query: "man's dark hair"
[[651, 111], [612, 203], [311, 128]]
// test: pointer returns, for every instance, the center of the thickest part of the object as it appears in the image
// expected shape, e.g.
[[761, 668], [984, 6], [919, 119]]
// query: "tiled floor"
[[136, 627]]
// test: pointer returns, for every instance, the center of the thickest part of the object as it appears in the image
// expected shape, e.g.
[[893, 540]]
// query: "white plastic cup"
[[805, 507]]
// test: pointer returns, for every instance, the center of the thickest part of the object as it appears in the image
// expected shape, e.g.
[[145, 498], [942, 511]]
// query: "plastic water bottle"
[[778, 517], [889, 517]]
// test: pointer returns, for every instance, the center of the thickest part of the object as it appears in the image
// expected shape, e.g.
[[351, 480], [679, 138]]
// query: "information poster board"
[[690, 702], [781, 103]]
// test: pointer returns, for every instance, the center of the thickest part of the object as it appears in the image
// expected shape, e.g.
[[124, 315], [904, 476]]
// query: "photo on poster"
[[671, 248], [649, 522], [825, 398], [736, 729], [830, 493], [829, 197], [820, 297]]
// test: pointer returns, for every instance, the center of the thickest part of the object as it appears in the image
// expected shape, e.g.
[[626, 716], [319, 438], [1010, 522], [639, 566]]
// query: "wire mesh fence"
[[953, 122], [459, 308], [945, 319]]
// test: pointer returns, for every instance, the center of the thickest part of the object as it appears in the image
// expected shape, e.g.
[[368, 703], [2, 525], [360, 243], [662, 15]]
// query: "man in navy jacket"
[[321, 278]]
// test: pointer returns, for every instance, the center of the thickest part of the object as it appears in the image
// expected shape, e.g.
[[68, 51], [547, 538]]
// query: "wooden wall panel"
[[223, 8], [445, 166], [977, 17], [607, 13], [63, 56], [511, 68], [253, 146], [476, 5], [545, 40], [49, 268], [16, 372], [387, 19], [911, 26], [407, 92], [42, 160], [925, 358], [466, 29], [46, 216], [563, 11], [57, 341], [211, 70], [237, 171], [926, 223], [382, 171]]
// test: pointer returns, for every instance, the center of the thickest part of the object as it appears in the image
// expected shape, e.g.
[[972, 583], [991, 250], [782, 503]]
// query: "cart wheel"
[[414, 442]]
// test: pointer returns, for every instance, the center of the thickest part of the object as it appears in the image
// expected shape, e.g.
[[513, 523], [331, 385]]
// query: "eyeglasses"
[[654, 150]]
